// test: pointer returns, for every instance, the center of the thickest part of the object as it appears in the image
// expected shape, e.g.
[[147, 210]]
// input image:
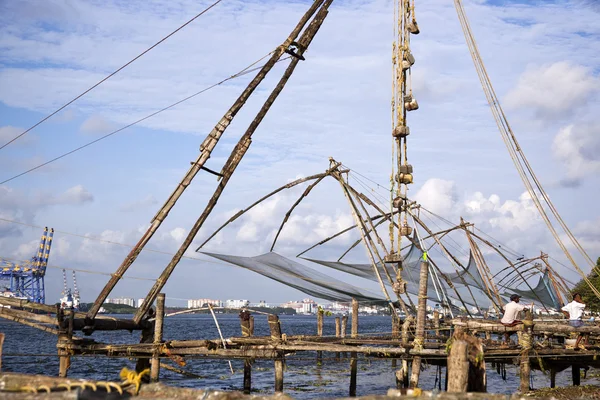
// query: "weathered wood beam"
[[210, 142], [236, 156]]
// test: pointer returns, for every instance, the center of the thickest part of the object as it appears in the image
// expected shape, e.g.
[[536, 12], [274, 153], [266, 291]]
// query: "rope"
[[112, 74], [241, 73], [516, 153], [130, 377]]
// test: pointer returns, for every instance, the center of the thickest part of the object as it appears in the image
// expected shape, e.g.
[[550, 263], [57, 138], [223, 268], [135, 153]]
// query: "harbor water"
[[28, 350]]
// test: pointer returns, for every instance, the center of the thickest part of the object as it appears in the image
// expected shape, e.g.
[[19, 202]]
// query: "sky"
[[543, 59]]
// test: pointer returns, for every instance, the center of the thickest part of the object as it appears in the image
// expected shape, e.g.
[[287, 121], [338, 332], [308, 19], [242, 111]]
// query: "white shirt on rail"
[[574, 309], [511, 310]]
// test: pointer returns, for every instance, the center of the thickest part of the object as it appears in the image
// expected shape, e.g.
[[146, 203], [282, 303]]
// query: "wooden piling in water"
[[576, 374], [275, 328], [458, 367], [320, 314], [247, 326], [527, 344], [64, 338], [420, 324], [158, 334], [1, 345], [354, 355], [344, 326], [395, 336]]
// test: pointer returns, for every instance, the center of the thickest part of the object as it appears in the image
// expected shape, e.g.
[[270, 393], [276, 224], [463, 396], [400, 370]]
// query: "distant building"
[[306, 306], [199, 303], [140, 301], [121, 300], [237, 303]]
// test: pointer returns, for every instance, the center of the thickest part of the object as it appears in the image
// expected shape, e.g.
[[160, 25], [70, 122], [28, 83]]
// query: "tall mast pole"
[[403, 101]]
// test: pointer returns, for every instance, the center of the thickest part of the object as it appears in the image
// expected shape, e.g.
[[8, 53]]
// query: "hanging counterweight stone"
[[406, 230], [406, 169], [407, 60], [413, 27], [392, 258], [401, 131], [403, 178], [410, 103], [399, 201]]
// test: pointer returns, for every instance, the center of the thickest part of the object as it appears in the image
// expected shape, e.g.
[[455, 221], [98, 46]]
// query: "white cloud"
[[8, 133], [577, 146], [556, 89], [97, 124], [136, 205]]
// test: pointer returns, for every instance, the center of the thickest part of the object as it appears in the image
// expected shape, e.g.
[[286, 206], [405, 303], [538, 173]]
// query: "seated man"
[[511, 310], [574, 311]]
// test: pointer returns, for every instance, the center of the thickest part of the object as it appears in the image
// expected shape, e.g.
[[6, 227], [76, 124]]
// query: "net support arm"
[[238, 152]]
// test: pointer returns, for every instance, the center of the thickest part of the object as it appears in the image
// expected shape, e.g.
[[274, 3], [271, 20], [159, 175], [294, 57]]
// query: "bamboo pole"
[[158, 335], [208, 145], [220, 334], [236, 155], [420, 325], [251, 206]]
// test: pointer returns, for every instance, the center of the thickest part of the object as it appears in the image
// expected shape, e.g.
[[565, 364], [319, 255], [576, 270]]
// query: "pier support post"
[[247, 325], [395, 334], [158, 334], [354, 318], [320, 314], [1, 344], [337, 335], [275, 328], [552, 377], [576, 374], [458, 367], [353, 355], [344, 326], [526, 344], [420, 325], [64, 337]]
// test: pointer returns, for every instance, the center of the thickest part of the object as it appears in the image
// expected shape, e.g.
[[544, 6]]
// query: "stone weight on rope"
[[401, 131], [405, 179], [399, 201], [406, 230], [407, 60], [410, 103], [413, 27]]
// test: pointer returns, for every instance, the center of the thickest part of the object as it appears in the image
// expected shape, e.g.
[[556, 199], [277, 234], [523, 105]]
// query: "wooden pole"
[[1, 344], [337, 327], [236, 155], [63, 338], [354, 355], [527, 344], [354, 331], [158, 334], [147, 336], [552, 377], [344, 326], [576, 374], [402, 374], [420, 325], [210, 142], [458, 367], [275, 328], [247, 325], [320, 314], [395, 335]]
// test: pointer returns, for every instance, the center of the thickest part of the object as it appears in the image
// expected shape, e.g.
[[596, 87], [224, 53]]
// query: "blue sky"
[[544, 68]]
